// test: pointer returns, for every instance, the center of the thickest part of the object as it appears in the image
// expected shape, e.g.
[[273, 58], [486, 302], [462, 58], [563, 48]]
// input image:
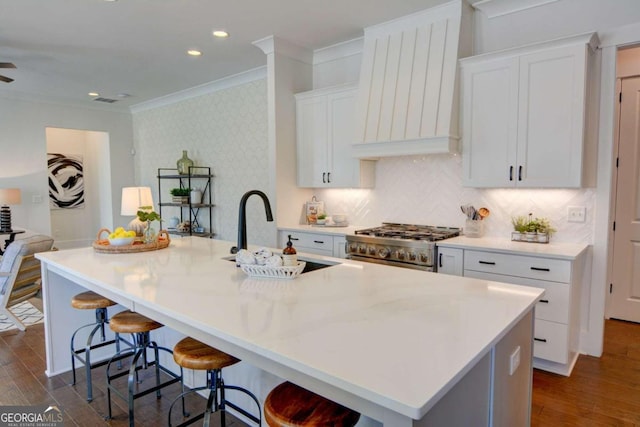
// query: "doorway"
[[77, 215], [624, 289]]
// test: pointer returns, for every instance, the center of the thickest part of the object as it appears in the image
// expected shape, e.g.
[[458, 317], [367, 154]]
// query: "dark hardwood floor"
[[601, 391], [23, 382]]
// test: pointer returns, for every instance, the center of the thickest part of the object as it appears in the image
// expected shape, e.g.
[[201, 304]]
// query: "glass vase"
[[184, 163], [149, 235]]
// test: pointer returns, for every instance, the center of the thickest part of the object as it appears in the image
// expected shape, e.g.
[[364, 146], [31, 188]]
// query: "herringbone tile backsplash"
[[428, 190]]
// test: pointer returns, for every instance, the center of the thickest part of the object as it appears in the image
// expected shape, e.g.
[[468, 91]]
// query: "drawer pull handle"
[[540, 269], [545, 301], [540, 339], [319, 242], [294, 238], [487, 262]]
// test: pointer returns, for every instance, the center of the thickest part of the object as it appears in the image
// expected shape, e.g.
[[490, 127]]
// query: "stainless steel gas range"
[[403, 245]]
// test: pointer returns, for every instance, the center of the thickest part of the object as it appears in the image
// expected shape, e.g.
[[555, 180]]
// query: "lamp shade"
[[10, 196], [133, 198]]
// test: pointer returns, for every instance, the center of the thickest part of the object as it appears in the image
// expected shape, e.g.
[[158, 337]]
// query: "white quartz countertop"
[[491, 244], [399, 338]]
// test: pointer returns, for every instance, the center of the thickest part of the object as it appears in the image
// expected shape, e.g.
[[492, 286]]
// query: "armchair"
[[20, 277]]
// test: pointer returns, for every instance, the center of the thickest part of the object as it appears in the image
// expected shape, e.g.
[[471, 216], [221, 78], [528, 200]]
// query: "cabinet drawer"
[[553, 305], [518, 265], [310, 241], [551, 341]]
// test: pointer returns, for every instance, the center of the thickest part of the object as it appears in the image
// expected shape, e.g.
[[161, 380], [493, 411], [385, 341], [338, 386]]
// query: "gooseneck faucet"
[[242, 218]]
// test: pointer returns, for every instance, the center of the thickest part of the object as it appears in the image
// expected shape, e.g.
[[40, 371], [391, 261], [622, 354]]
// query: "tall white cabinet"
[[525, 116], [325, 131]]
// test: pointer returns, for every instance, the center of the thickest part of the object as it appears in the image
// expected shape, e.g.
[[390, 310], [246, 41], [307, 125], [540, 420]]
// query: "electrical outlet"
[[576, 214], [514, 360]]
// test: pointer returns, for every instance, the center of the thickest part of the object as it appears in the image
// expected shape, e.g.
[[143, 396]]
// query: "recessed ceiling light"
[[194, 52], [221, 34], [93, 94]]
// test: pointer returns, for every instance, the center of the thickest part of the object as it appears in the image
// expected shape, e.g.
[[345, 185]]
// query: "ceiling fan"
[[6, 65]]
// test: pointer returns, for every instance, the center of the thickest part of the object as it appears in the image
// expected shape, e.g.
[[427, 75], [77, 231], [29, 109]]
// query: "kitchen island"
[[402, 347]]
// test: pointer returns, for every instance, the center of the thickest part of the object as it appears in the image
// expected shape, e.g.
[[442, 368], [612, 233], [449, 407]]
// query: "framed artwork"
[[66, 181]]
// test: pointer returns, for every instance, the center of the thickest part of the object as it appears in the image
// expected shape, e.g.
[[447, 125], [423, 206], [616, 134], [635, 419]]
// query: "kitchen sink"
[[310, 265]]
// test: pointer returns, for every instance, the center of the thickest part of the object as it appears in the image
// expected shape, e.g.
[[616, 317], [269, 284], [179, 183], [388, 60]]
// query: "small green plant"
[[322, 216], [520, 223], [147, 214], [523, 224], [180, 192]]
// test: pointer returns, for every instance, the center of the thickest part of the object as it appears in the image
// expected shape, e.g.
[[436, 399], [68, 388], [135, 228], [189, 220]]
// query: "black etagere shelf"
[[198, 175]]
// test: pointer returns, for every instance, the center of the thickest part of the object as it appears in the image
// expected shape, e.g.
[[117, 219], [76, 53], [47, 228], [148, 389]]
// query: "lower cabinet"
[[326, 244], [557, 314]]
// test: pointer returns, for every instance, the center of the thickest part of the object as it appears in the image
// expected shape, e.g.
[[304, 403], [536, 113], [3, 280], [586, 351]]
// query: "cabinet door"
[[550, 124], [312, 151], [450, 261], [343, 167], [489, 117]]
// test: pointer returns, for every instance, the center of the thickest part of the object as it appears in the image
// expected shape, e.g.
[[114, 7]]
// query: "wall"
[[225, 130], [77, 227], [24, 164]]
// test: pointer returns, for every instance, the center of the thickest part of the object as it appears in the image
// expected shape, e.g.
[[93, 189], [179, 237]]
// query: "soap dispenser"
[[289, 255]]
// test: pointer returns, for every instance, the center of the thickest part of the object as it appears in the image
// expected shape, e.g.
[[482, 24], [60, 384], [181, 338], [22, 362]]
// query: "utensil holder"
[[474, 228]]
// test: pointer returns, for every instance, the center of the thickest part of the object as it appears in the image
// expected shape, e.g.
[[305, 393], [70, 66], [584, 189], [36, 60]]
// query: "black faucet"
[[242, 218]]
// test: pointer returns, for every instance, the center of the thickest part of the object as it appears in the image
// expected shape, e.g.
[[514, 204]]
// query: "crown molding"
[[338, 51], [214, 86], [496, 8]]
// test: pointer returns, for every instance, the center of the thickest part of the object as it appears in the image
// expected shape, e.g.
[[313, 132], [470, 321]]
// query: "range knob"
[[362, 249], [400, 254], [353, 248], [372, 250], [424, 257], [383, 253], [412, 256]]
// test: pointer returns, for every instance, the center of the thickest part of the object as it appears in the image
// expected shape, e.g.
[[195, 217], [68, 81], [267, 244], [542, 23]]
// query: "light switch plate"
[[576, 214]]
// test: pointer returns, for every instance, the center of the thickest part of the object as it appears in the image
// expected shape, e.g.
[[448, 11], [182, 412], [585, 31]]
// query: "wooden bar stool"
[[129, 322], [289, 405], [91, 301], [192, 354]]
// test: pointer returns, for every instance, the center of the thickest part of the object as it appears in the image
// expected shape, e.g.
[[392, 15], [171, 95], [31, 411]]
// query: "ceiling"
[[64, 49]]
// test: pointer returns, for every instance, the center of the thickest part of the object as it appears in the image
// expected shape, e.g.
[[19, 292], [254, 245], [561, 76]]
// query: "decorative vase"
[[184, 163], [149, 235], [196, 197]]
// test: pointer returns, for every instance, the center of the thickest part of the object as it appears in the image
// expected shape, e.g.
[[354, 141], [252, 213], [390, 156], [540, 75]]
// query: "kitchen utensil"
[[483, 213]]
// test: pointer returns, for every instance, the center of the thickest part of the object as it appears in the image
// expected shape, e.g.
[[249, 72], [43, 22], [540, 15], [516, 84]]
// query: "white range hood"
[[408, 91]]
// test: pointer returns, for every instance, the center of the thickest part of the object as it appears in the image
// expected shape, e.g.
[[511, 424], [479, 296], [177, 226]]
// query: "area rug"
[[26, 312]]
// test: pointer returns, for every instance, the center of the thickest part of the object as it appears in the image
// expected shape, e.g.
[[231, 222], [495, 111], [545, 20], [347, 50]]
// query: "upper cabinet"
[[408, 97], [525, 114], [324, 123]]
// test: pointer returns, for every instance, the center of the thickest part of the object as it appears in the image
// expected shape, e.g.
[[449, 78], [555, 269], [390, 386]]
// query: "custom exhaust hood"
[[408, 91]]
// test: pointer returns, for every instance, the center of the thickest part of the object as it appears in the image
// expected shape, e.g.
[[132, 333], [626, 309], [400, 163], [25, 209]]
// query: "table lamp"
[[132, 199], [8, 196]]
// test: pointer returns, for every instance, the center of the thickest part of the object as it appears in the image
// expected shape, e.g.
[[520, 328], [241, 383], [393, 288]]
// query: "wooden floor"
[[23, 382], [601, 391]]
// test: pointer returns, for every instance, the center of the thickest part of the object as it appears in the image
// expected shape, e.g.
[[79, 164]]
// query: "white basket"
[[254, 270]]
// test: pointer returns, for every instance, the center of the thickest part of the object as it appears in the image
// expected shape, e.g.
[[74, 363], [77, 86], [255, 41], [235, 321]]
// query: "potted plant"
[[180, 195], [321, 219], [520, 227], [147, 214]]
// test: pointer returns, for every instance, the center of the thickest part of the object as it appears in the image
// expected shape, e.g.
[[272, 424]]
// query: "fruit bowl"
[[121, 241]]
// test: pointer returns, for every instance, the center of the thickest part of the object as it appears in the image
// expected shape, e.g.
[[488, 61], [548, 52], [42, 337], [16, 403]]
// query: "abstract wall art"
[[66, 181]]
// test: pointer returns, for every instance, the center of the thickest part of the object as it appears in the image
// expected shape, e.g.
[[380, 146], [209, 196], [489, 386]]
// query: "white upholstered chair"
[[20, 273]]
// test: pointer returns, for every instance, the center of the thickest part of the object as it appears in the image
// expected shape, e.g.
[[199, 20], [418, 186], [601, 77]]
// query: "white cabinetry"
[[314, 243], [557, 317], [524, 116], [450, 261], [325, 129]]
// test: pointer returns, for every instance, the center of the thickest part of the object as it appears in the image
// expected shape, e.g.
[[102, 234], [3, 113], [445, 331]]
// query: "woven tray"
[[103, 246], [254, 270]]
